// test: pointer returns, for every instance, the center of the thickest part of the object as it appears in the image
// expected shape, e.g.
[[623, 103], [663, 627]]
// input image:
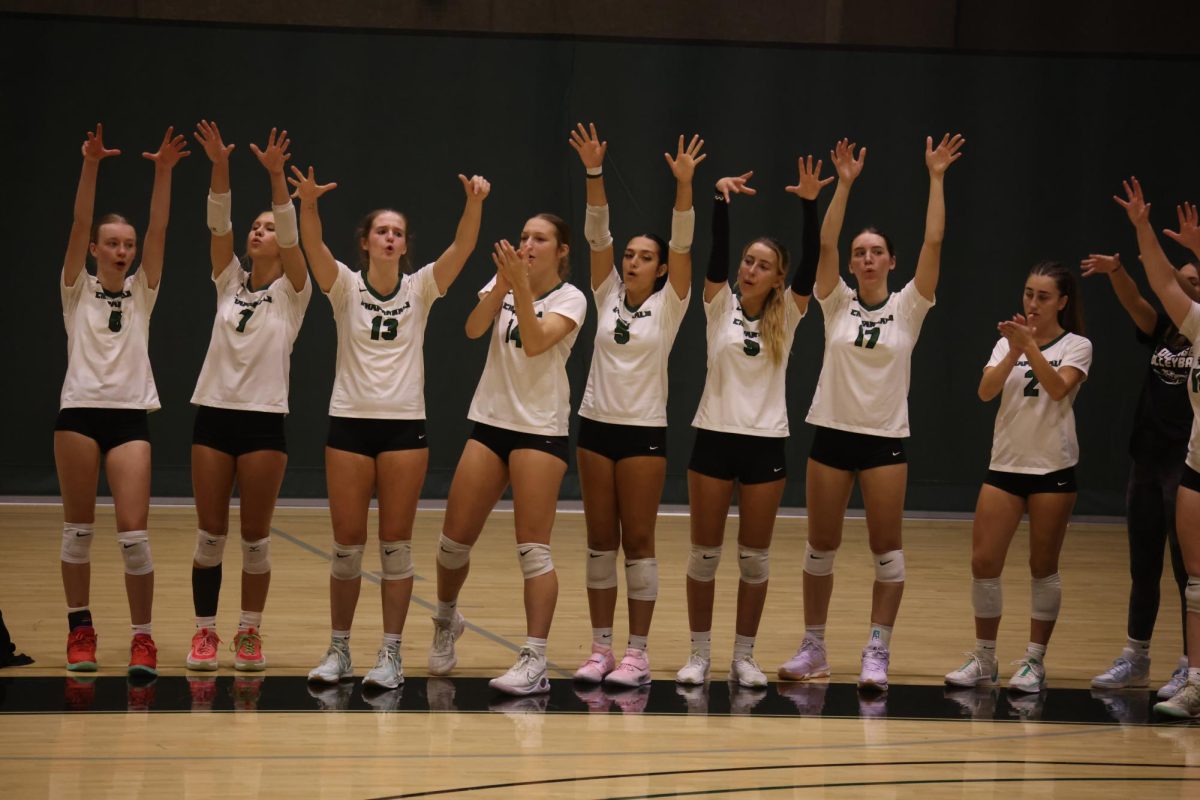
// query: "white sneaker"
[[1178, 679], [335, 666], [442, 658], [527, 676], [1030, 676], [1127, 672], [387, 672], [746, 672], [1185, 703], [977, 671], [695, 671]]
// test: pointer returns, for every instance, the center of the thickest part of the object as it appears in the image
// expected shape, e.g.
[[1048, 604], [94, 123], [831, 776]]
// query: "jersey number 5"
[[871, 335], [621, 332], [385, 328]]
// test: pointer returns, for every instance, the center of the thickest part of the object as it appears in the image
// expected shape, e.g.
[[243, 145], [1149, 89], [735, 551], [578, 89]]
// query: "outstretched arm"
[[451, 261], [1158, 269], [683, 217], [807, 188], [287, 236], [938, 160], [848, 167], [586, 142], [1140, 311], [165, 158], [717, 275], [220, 203], [320, 260], [94, 152]]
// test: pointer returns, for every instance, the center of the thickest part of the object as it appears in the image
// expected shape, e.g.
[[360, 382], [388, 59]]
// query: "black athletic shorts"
[[1022, 485], [108, 427], [370, 437], [615, 442], [1191, 479], [236, 433], [502, 441], [854, 452], [739, 456]]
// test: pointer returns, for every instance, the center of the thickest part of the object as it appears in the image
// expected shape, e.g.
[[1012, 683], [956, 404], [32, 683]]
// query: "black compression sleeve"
[[718, 254], [810, 252]]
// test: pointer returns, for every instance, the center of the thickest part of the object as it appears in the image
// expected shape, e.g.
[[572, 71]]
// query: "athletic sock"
[[602, 637], [637, 642], [881, 634], [743, 646], [816, 632], [391, 639], [79, 618], [250, 619], [538, 646], [206, 622], [141, 630], [1036, 650], [702, 643], [340, 638], [206, 590], [445, 610], [986, 649], [1138, 648]]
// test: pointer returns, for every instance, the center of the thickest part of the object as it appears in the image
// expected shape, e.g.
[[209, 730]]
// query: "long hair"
[[364, 230], [771, 329], [1071, 316], [661, 246], [562, 231]]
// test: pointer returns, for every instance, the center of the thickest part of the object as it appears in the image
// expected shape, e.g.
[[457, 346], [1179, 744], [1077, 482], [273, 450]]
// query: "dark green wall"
[[393, 118]]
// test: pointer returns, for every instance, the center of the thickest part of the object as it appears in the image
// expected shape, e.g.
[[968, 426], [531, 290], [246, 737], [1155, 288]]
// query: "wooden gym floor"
[[270, 735]]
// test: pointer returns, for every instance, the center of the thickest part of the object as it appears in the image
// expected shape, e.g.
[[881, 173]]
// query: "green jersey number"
[[513, 333], [621, 332], [868, 335], [751, 347], [114, 320], [385, 328], [247, 313]]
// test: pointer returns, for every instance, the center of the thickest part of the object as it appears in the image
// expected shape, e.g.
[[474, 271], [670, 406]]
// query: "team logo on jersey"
[[115, 315]]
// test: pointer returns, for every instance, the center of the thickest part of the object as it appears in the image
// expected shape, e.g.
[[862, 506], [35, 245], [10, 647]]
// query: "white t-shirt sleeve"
[[487, 287], [715, 308], [71, 294], [606, 285], [231, 273], [572, 305], [341, 284], [1078, 355], [1191, 324], [999, 353], [913, 304], [837, 299], [674, 307], [146, 296], [425, 286]]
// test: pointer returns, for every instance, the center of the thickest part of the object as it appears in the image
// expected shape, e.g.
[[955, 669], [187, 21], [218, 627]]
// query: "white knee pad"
[[703, 563], [395, 559], [452, 554], [1046, 597], [77, 543], [818, 562], [1191, 595], [754, 565], [987, 597], [535, 559], [135, 551], [256, 556], [210, 549], [889, 567], [641, 579], [601, 569], [346, 564]]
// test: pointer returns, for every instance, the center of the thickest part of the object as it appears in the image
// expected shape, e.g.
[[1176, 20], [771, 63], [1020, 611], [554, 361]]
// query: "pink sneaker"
[[247, 646], [874, 674], [599, 663], [809, 662], [203, 655], [633, 671]]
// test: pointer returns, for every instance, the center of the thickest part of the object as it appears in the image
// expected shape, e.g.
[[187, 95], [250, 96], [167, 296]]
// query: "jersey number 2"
[[1031, 388]]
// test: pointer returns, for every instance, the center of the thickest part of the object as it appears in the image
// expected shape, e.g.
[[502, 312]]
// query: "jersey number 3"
[[870, 335]]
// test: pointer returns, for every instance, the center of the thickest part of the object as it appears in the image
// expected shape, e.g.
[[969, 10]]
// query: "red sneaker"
[[81, 693], [81, 649], [203, 655], [140, 695], [143, 656], [248, 654]]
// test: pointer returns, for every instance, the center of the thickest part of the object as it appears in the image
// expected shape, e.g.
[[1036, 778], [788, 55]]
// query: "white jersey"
[[249, 357], [381, 341], [744, 387], [1035, 434], [108, 335], [867, 365], [627, 382], [520, 393], [1191, 329]]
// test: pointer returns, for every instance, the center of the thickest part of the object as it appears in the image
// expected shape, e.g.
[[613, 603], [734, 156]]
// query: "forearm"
[[810, 251], [718, 253], [992, 382], [935, 212], [683, 195], [85, 193], [484, 313], [1131, 300], [534, 340], [596, 195], [1047, 376]]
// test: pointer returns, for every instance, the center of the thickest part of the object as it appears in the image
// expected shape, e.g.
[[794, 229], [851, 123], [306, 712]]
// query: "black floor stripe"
[[770, 767], [266, 692]]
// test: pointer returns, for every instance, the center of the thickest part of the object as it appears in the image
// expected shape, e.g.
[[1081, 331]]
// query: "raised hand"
[[810, 183], [276, 153], [208, 136], [170, 151], [477, 188], [1134, 202], [588, 145], [306, 186], [1018, 333], [683, 165], [511, 269], [848, 166], [736, 185], [93, 148], [1188, 234], [1100, 264], [938, 159]]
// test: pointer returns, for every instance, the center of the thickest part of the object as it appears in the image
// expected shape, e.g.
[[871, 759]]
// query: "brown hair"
[[562, 232], [774, 308], [887, 242], [364, 230], [107, 219], [1071, 316]]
